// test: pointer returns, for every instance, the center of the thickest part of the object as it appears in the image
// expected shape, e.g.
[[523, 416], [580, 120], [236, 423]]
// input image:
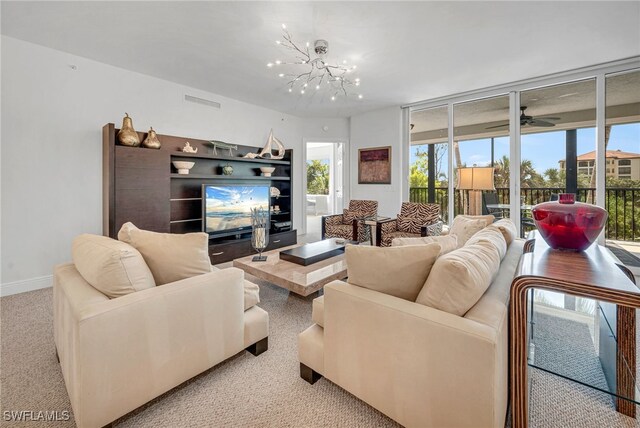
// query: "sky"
[[544, 149]]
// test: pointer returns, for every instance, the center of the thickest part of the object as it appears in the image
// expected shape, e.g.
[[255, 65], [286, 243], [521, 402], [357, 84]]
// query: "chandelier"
[[316, 72]]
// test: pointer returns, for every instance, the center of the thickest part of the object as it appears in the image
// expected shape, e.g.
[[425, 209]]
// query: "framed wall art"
[[374, 165]]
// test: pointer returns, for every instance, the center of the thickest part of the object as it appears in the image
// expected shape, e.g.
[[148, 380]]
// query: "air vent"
[[202, 101]]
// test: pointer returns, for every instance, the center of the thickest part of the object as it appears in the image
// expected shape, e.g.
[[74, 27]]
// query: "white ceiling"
[[405, 51]]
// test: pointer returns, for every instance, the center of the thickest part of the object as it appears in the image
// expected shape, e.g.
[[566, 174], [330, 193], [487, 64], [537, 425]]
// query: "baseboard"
[[22, 286]]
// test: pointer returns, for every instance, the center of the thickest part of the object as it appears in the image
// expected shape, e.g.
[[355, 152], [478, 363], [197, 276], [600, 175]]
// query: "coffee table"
[[299, 279]]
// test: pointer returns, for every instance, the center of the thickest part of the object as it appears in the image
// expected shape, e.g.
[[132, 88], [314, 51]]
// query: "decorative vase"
[[151, 142], [569, 225], [227, 170], [127, 136], [259, 232]]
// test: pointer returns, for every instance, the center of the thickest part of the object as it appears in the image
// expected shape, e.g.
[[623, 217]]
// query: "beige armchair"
[[117, 354]]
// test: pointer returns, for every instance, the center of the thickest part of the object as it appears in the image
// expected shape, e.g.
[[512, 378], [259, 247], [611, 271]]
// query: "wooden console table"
[[593, 273]]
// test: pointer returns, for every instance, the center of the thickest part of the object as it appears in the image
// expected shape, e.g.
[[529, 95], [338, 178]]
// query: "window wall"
[[480, 140], [547, 133], [622, 144], [428, 157]]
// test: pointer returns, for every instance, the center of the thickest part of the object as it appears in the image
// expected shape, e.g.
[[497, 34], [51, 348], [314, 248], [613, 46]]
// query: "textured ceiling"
[[405, 51]]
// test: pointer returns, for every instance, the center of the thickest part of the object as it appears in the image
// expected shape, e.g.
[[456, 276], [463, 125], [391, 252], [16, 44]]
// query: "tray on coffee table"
[[316, 251]]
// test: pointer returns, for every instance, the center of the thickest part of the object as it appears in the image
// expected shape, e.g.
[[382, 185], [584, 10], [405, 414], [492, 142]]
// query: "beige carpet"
[[245, 391]]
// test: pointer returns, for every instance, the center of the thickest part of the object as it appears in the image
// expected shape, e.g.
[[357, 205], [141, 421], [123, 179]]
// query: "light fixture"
[[475, 179], [316, 69]]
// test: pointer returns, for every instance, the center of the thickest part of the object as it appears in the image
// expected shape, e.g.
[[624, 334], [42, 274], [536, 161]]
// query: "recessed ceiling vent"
[[202, 101]]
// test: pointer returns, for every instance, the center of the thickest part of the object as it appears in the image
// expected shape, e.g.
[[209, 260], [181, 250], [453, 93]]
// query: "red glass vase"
[[569, 225]]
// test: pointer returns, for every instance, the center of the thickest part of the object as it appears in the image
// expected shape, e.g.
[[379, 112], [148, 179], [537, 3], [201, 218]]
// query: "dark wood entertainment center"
[[141, 185]]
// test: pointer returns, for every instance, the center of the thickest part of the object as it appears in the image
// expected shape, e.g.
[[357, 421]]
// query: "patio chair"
[[491, 198], [415, 220], [348, 225]]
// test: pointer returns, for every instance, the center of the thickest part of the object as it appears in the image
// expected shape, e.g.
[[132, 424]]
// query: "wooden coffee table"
[[299, 279]]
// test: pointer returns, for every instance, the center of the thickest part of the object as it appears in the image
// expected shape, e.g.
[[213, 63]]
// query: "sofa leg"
[[57, 356], [259, 347], [308, 374]]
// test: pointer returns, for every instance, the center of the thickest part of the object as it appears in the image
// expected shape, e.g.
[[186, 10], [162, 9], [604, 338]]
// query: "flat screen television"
[[227, 207]]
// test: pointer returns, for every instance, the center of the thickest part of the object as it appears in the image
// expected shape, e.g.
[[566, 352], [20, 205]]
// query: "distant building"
[[622, 165]]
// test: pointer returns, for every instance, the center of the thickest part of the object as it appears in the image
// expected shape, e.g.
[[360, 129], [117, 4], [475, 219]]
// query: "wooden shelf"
[[230, 159], [280, 213], [230, 177], [281, 196]]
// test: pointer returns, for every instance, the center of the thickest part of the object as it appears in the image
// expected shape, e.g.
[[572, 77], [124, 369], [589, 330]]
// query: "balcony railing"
[[623, 205]]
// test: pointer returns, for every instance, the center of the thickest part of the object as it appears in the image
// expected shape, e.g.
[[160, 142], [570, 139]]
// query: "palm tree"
[[529, 177]]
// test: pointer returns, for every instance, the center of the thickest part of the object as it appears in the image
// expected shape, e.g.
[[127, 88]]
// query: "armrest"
[[398, 355], [332, 219]]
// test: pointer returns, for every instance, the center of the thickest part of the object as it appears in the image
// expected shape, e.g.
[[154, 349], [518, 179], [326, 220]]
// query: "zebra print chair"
[[415, 220], [348, 224]]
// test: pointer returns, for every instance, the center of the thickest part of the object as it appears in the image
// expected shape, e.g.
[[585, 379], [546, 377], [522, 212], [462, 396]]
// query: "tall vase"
[[259, 232]]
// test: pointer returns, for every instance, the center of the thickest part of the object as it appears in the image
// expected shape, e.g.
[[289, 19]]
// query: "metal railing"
[[622, 204]]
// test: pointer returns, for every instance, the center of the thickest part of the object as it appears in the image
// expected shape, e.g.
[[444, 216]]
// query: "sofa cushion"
[[112, 267], [447, 242], [399, 271], [459, 279], [492, 307], [508, 230], [464, 227], [317, 312], [251, 292], [493, 235], [170, 256]]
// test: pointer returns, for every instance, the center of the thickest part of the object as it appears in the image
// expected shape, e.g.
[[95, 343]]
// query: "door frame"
[[346, 183]]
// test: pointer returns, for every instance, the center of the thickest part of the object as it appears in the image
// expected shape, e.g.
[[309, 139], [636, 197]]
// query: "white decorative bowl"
[[183, 167], [267, 170]]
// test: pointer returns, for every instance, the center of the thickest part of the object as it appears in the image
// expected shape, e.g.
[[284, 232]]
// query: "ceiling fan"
[[530, 120]]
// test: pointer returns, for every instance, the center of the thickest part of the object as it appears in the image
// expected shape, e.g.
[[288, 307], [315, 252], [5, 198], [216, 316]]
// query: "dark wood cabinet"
[[141, 186]]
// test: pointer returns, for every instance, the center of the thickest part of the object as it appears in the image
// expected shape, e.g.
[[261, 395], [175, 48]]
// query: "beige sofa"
[[418, 365], [117, 354]]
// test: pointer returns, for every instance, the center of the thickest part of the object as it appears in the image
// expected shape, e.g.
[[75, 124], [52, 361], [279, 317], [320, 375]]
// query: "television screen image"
[[228, 207]]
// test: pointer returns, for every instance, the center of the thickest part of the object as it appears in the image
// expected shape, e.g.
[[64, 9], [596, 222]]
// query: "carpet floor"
[[244, 391]]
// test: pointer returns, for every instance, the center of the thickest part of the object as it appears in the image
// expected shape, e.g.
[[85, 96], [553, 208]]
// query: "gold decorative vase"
[[127, 136], [151, 142]]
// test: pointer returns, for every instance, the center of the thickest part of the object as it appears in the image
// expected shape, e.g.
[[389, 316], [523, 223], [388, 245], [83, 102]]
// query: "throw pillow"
[[170, 256], [398, 271], [488, 218], [508, 229], [464, 227], [112, 267], [459, 279], [447, 242], [493, 235], [435, 229], [409, 224], [349, 215]]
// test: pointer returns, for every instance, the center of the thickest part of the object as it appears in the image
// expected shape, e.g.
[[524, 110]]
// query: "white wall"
[[375, 129], [51, 170]]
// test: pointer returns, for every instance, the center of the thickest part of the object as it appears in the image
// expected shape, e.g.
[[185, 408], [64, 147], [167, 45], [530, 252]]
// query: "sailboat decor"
[[267, 151]]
